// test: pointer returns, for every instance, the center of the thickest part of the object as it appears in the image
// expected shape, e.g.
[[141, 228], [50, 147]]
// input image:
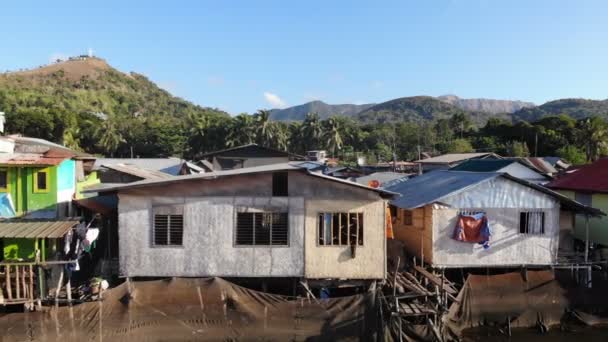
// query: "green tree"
[[109, 136], [332, 135], [460, 146], [312, 131], [572, 154], [242, 131], [593, 135], [518, 149]]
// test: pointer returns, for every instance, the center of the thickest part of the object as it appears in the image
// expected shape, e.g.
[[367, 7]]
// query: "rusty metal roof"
[[31, 229]]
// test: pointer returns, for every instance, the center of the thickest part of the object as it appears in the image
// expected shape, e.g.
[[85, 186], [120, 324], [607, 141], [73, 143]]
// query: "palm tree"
[[332, 135], [109, 136], [312, 131], [594, 137], [265, 128], [242, 131]]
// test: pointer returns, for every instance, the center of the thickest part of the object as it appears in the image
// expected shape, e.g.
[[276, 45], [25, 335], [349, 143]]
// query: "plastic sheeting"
[[541, 300], [198, 309]]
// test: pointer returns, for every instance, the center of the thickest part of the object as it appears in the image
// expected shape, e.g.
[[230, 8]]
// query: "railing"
[[21, 282]]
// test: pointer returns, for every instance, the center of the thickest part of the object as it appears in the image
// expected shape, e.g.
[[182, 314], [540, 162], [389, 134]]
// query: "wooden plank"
[[432, 278]]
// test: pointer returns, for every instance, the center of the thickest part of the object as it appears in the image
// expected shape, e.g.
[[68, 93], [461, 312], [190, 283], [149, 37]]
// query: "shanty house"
[[515, 167], [481, 219], [246, 156], [279, 220], [588, 185], [37, 183], [447, 161]]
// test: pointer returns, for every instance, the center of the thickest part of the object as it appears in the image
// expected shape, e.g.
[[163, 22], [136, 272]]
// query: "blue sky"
[[241, 56]]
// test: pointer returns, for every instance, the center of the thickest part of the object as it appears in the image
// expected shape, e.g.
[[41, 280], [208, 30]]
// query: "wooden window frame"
[[254, 245], [7, 187], [524, 230], [322, 231], [169, 210], [47, 172]]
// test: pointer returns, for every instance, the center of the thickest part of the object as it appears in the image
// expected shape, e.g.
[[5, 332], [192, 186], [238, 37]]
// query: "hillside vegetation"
[[88, 105], [68, 102]]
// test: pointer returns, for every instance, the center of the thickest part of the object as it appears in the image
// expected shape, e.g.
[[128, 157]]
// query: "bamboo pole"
[[9, 290], [59, 284], [23, 282], [31, 269], [586, 238], [340, 229], [17, 283]]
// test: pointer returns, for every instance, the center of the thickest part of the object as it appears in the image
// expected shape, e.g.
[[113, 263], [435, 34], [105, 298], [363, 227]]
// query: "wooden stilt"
[[68, 290], [58, 289]]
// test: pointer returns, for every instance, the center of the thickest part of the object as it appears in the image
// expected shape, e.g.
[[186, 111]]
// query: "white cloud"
[[274, 100]]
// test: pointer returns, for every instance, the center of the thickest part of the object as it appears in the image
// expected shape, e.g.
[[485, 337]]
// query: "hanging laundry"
[[67, 241], [473, 228], [91, 235]]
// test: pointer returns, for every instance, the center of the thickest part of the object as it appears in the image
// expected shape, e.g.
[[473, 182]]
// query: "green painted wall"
[[45, 201], [91, 179], [598, 227]]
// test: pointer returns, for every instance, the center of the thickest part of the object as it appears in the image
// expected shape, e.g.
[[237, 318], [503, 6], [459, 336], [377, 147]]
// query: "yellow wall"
[[418, 237]]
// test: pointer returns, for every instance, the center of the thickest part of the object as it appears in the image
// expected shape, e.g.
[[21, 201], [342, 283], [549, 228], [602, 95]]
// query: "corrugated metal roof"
[[483, 165], [170, 166], [455, 157], [28, 159], [32, 229], [432, 186], [137, 171], [589, 178], [212, 175], [381, 177]]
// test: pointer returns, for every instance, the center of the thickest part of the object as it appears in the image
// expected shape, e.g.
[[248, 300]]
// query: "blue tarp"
[[7, 209]]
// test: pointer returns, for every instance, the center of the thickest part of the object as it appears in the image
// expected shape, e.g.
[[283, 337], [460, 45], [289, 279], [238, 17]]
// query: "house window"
[[531, 222], [340, 229], [41, 180], [3, 180], [168, 230], [262, 229], [279, 184], [407, 217]]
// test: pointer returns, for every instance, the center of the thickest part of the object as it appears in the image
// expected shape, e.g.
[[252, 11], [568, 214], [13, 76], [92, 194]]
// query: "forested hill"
[[298, 113], [418, 109], [74, 102], [491, 106], [88, 85], [576, 108]]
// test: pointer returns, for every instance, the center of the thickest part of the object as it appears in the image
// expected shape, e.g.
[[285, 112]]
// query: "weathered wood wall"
[[210, 207]]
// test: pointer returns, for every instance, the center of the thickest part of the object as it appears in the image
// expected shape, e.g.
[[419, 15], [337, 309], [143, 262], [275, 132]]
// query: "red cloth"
[[468, 229]]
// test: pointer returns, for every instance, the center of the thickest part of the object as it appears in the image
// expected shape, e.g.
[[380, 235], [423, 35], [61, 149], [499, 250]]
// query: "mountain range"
[[88, 85], [406, 108]]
